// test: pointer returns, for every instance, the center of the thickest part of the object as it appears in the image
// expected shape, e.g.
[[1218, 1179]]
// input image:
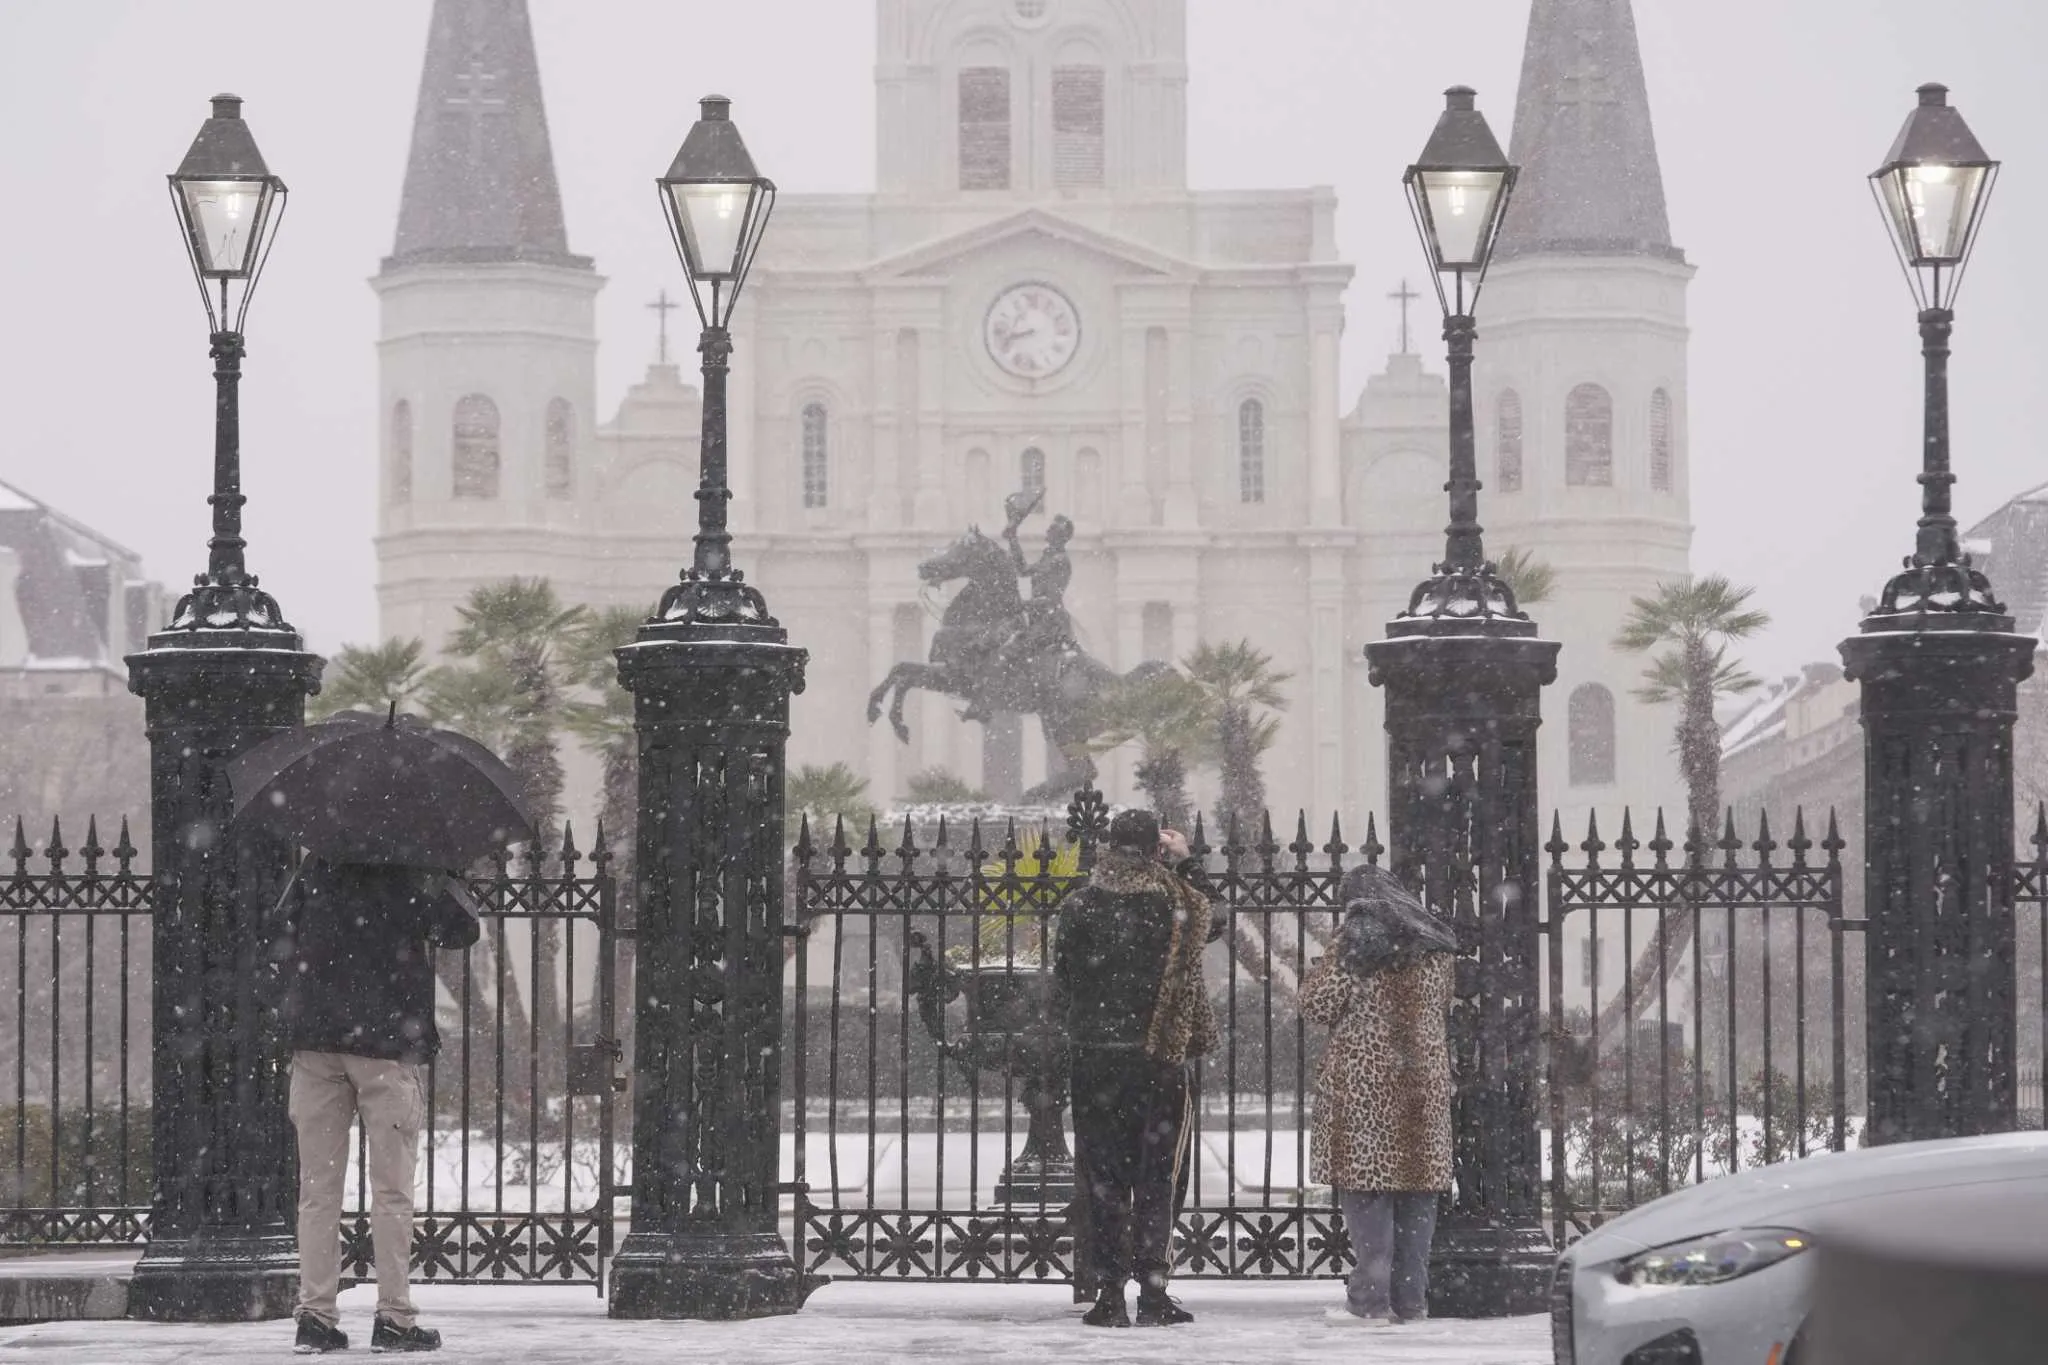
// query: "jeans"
[[1390, 1236], [329, 1089]]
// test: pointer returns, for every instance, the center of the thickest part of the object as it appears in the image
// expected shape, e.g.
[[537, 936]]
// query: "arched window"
[[1031, 470], [1077, 119], [985, 128], [1660, 441], [476, 447], [1590, 723], [399, 490], [1251, 451], [561, 453], [817, 456], [1589, 437], [1508, 441]]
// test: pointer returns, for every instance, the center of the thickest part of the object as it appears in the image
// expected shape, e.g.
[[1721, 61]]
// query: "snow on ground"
[[843, 1324]]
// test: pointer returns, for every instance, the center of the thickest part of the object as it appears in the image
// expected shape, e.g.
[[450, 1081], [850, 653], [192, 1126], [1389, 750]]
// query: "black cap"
[[1138, 829]]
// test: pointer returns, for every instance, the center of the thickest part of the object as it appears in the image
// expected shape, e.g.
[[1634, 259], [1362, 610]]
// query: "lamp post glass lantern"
[[228, 206], [1458, 191], [717, 204], [1932, 190]]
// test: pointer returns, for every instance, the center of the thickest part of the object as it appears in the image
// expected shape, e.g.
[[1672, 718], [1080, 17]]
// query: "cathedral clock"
[[1032, 331]]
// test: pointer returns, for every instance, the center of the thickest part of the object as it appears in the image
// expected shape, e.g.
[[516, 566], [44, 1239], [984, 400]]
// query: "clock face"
[[1032, 331]]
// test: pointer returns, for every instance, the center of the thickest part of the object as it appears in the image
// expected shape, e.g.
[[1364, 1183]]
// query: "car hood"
[[1801, 1193]]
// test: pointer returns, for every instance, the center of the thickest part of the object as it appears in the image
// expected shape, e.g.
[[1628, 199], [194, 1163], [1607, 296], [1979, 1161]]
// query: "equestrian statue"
[[999, 651]]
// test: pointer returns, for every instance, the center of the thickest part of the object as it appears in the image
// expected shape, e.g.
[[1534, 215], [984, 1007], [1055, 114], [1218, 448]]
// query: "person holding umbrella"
[[385, 808], [1381, 1134]]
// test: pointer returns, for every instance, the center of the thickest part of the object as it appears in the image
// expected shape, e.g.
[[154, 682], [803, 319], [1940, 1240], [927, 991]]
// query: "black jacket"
[[1109, 952], [359, 968]]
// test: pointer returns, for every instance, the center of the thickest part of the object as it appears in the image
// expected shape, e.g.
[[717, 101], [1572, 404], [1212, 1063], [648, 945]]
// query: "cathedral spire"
[[480, 183], [1590, 184]]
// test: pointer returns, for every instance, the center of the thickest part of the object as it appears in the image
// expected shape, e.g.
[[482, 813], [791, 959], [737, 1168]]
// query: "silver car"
[[1716, 1274]]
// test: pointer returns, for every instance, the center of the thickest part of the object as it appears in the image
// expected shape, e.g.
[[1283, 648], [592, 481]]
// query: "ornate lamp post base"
[[221, 1244], [710, 1275], [1463, 702]]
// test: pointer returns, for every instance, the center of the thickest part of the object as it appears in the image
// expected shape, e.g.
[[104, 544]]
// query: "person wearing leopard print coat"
[[1381, 1132]]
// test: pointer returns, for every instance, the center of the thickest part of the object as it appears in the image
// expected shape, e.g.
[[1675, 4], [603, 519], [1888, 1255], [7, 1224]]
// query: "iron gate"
[[927, 1139], [521, 1155]]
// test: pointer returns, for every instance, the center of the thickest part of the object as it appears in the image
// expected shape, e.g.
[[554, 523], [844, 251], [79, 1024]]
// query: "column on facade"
[[884, 749], [1327, 661], [744, 454], [1325, 478], [1183, 509], [884, 492]]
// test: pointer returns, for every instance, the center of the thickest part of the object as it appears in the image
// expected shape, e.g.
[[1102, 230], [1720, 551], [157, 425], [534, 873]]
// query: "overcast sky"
[[1769, 114]]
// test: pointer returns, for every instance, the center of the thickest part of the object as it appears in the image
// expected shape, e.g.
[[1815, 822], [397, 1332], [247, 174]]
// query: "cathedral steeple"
[[480, 183], [1590, 183]]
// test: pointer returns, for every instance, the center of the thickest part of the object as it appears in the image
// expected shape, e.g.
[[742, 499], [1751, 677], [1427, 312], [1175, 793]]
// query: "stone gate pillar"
[[1463, 702], [227, 674], [711, 705]]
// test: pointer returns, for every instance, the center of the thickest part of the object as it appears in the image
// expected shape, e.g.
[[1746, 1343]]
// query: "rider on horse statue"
[[1044, 626]]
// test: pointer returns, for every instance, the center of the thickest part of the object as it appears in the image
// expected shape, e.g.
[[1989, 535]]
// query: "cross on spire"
[[478, 98], [1404, 296], [662, 307]]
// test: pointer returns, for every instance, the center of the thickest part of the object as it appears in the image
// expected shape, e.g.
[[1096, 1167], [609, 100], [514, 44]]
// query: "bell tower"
[[487, 351], [1035, 99], [1581, 398]]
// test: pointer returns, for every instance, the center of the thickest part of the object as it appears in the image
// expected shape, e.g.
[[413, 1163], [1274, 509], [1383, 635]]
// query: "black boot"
[[1109, 1310], [389, 1336], [316, 1338], [1156, 1309]]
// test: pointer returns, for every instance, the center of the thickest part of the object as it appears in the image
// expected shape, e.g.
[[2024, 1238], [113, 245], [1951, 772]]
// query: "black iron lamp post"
[[712, 674], [227, 673], [1940, 668], [1464, 673]]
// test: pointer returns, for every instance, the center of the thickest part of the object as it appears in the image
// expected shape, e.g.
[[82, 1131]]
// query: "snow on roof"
[[1768, 715], [12, 499]]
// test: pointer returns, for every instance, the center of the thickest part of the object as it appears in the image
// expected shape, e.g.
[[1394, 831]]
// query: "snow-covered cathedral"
[[1032, 155]]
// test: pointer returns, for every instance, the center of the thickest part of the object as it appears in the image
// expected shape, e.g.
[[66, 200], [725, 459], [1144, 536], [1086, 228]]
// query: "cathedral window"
[[817, 456], [1589, 437], [1660, 441], [1508, 441], [1077, 127], [476, 447], [1029, 10], [1251, 451], [1590, 726], [399, 490], [561, 451], [985, 128], [1031, 471]]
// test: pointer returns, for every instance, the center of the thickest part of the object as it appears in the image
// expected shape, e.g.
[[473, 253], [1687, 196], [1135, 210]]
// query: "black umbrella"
[[365, 788]]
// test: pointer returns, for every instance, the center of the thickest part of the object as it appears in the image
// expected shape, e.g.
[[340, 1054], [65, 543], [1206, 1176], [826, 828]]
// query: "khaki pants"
[[328, 1090]]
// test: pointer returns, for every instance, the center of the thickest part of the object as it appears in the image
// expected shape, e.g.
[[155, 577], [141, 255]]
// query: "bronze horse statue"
[[998, 653]]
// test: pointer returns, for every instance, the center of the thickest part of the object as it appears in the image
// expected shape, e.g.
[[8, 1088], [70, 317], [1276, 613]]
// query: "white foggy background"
[[1805, 371]]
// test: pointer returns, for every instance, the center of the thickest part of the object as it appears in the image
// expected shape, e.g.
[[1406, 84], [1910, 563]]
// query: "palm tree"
[[1172, 719], [825, 795], [1692, 622], [603, 721], [1532, 580], [1242, 686], [512, 684], [371, 677]]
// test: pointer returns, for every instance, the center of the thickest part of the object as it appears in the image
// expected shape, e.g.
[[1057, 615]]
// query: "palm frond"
[[1532, 580], [371, 677]]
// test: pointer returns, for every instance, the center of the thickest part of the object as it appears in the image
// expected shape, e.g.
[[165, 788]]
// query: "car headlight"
[[1713, 1259]]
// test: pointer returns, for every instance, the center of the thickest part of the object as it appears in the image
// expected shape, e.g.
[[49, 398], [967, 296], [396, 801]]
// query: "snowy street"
[[847, 1324]]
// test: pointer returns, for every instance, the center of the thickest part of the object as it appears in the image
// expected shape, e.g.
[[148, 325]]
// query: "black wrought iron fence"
[[74, 1043], [522, 1157], [930, 1138], [1725, 1043]]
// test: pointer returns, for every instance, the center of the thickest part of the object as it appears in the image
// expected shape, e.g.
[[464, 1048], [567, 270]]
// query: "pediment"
[[940, 256]]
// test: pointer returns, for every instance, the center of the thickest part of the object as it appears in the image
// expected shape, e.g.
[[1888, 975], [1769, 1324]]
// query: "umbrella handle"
[[286, 894]]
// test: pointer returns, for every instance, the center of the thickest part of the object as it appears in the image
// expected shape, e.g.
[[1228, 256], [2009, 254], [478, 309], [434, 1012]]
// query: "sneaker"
[[1350, 1319], [1109, 1310], [389, 1336], [1156, 1309], [316, 1338]]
